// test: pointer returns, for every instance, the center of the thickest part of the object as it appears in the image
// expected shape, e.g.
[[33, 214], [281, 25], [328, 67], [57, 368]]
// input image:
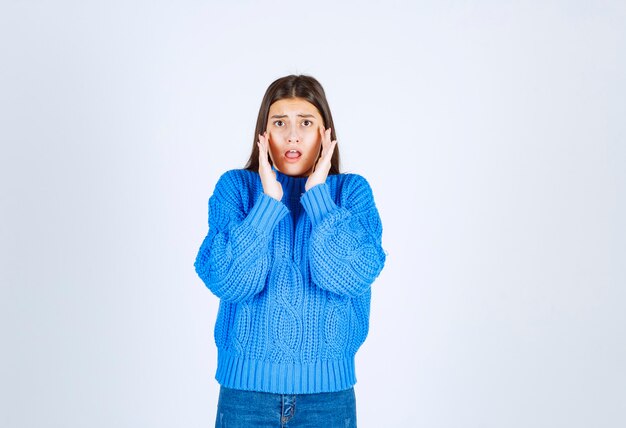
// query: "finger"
[[323, 135], [322, 141], [266, 142], [327, 139], [262, 153], [330, 149], [258, 143]]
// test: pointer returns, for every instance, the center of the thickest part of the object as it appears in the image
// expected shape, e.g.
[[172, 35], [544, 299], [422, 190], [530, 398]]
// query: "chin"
[[294, 170]]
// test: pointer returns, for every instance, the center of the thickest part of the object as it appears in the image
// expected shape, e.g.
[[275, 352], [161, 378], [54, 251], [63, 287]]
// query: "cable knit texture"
[[293, 278]]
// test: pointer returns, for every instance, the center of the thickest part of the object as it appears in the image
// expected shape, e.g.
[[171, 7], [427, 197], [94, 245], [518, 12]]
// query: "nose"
[[293, 135]]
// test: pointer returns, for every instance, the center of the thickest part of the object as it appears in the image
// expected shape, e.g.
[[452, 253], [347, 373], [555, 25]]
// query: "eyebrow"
[[280, 116]]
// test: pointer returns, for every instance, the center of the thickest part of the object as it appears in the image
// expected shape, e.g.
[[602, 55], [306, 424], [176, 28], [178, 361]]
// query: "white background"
[[492, 133]]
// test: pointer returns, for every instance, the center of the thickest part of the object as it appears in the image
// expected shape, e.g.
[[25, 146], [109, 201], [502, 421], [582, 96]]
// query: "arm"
[[345, 251], [234, 258]]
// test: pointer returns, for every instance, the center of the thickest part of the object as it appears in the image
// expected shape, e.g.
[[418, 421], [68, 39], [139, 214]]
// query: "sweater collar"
[[293, 186]]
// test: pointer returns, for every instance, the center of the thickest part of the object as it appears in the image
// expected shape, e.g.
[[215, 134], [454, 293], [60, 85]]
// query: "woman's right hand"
[[271, 186]]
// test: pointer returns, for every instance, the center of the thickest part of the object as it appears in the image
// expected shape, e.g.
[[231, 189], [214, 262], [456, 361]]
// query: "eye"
[[307, 122], [279, 123]]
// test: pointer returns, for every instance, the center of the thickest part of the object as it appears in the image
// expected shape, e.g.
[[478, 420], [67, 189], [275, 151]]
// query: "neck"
[[292, 185]]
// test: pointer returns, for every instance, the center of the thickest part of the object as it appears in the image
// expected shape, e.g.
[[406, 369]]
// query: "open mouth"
[[292, 154]]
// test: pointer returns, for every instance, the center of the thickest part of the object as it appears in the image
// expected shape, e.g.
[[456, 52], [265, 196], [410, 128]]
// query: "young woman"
[[292, 250]]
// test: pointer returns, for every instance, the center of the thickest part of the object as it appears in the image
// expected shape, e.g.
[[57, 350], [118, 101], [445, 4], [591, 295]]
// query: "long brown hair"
[[294, 86]]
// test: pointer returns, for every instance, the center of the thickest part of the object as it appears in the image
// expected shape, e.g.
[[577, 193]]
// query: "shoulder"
[[351, 182], [236, 179], [236, 187], [357, 180], [353, 190], [237, 175]]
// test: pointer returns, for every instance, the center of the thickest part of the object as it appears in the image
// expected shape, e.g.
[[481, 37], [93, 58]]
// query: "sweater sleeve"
[[234, 258], [345, 253]]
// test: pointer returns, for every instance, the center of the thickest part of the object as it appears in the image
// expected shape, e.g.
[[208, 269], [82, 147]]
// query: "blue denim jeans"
[[238, 409]]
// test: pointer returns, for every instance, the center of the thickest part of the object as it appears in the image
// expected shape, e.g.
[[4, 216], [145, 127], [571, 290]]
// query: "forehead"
[[293, 105]]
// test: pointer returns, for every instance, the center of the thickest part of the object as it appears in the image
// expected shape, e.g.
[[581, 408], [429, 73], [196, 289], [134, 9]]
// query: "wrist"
[[313, 181], [309, 185]]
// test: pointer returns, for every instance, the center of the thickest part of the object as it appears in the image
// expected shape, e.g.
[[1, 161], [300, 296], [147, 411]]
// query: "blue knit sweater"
[[293, 278]]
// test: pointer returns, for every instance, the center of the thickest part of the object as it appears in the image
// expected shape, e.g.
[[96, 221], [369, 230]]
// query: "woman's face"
[[293, 127]]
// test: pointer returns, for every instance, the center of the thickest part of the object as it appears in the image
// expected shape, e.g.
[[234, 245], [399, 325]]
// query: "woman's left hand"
[[322, 166]]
